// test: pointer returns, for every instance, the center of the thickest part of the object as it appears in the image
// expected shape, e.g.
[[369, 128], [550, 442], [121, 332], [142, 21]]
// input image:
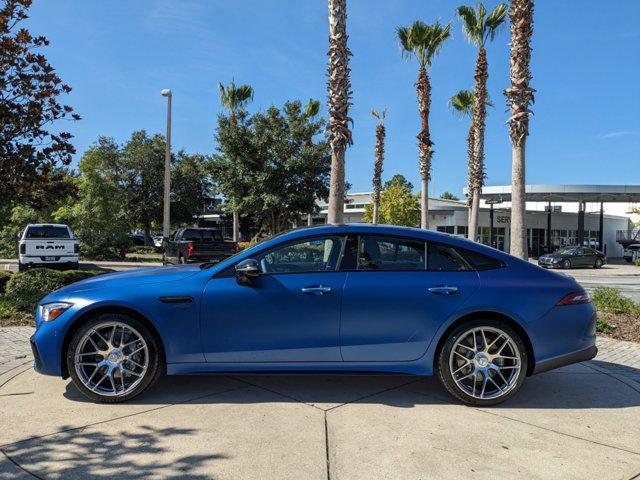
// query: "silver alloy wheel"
[[485, 363], [111, 359]]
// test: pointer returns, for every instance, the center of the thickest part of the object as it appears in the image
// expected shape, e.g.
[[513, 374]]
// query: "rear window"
[[193, 235], [444, 258], [480, 261], [47, 231]]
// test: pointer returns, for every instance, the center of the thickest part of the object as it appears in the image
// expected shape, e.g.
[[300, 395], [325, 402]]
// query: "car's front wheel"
[[113, 357], [566, 264], [483, 362]]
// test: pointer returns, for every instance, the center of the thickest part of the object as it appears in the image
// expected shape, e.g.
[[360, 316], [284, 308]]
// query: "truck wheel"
[[182, 260], [22, 267]]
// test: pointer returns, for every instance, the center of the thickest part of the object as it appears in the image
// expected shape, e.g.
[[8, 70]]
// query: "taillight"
[[574, 298], [190, 249], [23, 249]]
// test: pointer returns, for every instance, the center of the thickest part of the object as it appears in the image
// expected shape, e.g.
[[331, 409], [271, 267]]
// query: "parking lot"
[[578, 422]]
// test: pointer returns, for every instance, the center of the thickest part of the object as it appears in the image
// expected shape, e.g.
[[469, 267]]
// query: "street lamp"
[[166, 217]]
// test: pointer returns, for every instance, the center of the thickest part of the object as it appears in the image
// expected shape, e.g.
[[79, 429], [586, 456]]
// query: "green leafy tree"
[[191, 187], [398, 204], [96, 215], [480, 28], [29, 106], [423, 42], [235, 99], [449, 196], [273, 165]]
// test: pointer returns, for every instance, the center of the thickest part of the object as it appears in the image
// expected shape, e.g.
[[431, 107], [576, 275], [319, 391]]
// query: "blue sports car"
[[349, 298]]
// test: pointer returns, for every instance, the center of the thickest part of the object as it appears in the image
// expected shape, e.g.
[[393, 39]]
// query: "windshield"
[[566, 250], [194, 235], [47, 231]]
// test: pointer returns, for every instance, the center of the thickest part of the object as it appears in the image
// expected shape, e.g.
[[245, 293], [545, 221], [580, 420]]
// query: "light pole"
[[166, 217], [491, 203]]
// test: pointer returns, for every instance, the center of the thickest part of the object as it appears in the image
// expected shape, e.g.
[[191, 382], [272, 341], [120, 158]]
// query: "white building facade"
[[450, 216]]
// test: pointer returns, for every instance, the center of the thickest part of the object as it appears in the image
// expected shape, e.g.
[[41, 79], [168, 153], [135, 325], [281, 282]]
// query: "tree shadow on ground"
[[108, 454], [575, 387]]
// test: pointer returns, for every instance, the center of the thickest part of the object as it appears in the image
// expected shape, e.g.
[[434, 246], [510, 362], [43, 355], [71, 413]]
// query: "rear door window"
[[47, 231], [388, 253], [444, 258]]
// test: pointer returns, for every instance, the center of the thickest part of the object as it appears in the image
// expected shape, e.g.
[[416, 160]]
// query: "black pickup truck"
[[197, 245]]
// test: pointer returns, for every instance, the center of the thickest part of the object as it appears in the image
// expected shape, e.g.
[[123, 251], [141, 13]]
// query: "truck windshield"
[[47, 231], [194, 235]]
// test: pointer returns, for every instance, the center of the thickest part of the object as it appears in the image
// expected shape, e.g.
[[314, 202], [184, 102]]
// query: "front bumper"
[[549, 264], [567, 359]]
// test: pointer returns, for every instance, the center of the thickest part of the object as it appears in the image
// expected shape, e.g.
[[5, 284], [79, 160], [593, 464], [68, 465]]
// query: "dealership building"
[[557, 216]]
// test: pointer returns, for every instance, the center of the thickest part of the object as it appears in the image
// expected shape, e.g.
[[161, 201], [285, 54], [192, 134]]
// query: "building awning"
[[567, 193]]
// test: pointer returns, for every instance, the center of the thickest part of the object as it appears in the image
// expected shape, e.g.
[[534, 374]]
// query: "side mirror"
[[246, 270]]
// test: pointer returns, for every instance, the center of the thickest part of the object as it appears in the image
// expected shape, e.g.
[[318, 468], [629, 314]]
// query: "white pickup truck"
[[47, 245]]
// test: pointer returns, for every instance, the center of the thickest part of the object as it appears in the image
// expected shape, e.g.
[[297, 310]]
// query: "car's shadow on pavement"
[[574, 387]]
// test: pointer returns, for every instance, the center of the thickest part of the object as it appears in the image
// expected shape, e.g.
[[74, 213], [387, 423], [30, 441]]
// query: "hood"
[[133, 277]]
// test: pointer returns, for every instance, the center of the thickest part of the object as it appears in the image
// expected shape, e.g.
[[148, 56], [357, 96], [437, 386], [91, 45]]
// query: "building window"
[[462, 231], [447, 229]]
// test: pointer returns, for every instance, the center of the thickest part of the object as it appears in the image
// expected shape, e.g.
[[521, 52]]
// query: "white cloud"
[[621, 133]]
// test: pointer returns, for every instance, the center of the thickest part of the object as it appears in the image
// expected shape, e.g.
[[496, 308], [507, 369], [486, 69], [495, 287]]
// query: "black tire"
[[22, 267], [74, 266], [443, 370], [566, 264], [182, 260], [598, 263], [154, 370], [164, 259]]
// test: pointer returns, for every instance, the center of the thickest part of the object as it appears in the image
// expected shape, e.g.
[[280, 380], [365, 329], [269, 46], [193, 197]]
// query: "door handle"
[[446, 290], [317, 290]]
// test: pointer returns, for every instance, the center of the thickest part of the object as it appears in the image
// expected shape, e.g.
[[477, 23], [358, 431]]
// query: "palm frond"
[[470, 24], [495, 20], [462, 103], [422, 40], [235, 97]]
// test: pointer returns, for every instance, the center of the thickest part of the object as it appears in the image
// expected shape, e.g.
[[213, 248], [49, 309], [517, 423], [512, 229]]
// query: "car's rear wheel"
[[483, 362], [598, 263], [113, 358], [566, 264]]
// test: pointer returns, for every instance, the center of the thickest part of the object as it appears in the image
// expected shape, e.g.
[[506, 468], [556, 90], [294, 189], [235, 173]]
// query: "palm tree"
[[519, 98], [379, 159], [462, 104], [423, 42], [339, 94], [235, 98], [479, 29]]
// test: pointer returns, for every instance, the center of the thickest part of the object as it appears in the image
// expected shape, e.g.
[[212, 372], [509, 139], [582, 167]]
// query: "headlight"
[[51, 311]]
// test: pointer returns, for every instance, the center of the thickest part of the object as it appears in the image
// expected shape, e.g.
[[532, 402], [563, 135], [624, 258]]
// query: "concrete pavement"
[[579, 422]]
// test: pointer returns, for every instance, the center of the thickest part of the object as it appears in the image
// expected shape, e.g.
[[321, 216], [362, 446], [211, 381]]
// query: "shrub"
[[638, 262], [245, 245], [4, 278], [25, 289], [610, 300], [602, 325], [143, 250]]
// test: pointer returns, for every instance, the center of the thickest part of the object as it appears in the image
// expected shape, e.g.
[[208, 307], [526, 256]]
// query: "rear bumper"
[[40, 260], [563, 360]]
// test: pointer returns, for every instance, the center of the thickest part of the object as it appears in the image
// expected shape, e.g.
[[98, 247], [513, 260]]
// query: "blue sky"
[[118, 55]]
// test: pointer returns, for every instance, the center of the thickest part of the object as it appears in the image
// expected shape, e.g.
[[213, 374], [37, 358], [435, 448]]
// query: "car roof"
[[47, 225], [412, 232]]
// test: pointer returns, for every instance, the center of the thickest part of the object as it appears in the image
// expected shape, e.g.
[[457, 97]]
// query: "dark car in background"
[[571, 257], [189, 245]]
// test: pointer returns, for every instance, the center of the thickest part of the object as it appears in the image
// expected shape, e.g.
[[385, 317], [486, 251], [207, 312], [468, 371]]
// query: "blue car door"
[[289, 313], [392, 306]]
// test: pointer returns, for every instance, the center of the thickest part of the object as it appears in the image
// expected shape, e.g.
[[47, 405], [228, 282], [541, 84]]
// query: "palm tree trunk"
[[377, 171], [425, 151], [339, 94], [470, 173], [236, 226], [519, 98], [518, 204], [479, 117], [472, 233], [309, 219], [375, 212]]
